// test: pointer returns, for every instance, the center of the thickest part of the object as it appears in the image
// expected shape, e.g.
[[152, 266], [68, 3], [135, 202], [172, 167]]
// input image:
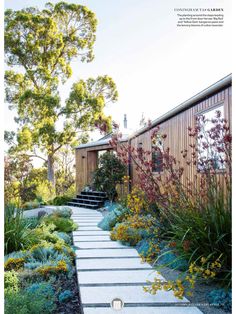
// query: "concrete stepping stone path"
[[108, 270]]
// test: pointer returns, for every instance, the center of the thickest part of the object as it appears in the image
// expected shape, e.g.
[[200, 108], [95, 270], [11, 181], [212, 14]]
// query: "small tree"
[[111, 170]]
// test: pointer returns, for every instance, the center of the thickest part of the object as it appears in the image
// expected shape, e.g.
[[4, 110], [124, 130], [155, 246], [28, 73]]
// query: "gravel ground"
[[34, 212]]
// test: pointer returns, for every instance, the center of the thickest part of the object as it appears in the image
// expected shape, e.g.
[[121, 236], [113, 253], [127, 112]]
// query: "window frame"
[[201, 113]]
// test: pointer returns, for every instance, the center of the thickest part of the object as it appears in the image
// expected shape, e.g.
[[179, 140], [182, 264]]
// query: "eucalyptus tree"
[[39, 48]]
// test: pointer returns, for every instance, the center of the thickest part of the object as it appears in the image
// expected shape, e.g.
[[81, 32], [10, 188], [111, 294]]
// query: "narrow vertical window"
[[208, 153], [157, 154]]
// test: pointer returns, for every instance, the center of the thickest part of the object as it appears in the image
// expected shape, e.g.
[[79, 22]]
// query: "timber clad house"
[[174, 124]]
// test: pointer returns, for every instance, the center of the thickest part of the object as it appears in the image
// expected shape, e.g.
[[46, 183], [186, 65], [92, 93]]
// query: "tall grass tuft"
[[16, 230]]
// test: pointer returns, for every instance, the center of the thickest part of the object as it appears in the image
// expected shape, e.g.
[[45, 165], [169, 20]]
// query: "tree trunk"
[[51, 173]]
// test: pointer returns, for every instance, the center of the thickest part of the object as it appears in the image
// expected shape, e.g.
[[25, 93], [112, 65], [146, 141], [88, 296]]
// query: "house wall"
[[86, 160], [177, 138], [176, 129]]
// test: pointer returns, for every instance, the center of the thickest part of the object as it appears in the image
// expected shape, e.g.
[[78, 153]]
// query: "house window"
[[206, 151], [157, 159]]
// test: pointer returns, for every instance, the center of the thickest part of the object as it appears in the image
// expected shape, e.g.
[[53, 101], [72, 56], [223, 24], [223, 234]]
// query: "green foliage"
[[45, 191], [53, 37], [64, 236], [110, 220], [31, 205], [47, 256], [110, 172], [65, 296], [61, 224], [61, 200], [17, 186], [204, 233], [127, 235], [31, 222], [221, 298], [43, 232], [64, 212], [16, 232], [32, 301], [11, 281]]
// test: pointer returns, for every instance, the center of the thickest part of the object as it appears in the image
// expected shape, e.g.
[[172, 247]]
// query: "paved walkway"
[[108, 270]]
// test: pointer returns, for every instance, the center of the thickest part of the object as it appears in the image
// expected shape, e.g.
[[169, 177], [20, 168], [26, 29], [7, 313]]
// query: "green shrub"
[[31, 222], [205, 233], [127, 235], [64, 212], [39, 299], [11, 281], [63, 236], [44, 232], [45, 191], [110, 220], [31, 205], [61, 224], [65, 296], [16, 230], [61, 200], [110, 172], [14, 263]]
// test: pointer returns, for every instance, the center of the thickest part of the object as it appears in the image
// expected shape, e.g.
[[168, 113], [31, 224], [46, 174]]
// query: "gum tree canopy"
[[39, 48]]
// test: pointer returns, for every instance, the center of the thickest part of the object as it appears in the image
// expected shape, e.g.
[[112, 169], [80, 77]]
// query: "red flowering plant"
[[193, 195]]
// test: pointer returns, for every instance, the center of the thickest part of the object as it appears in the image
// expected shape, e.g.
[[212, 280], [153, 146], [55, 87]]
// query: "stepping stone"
[[100, 245], [115, 277], [88, 228], [145, 310], [90, 223], [85, 233], [87, 223], [129, 294], [86, 216], [83, 221], [92, 238], [108, 263], [107, 253]]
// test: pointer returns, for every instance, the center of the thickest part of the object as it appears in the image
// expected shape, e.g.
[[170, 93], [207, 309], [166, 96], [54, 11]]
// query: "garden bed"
[[40, 273]]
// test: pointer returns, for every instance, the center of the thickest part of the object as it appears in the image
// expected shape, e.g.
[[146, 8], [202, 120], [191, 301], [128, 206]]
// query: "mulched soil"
[[72, 306]]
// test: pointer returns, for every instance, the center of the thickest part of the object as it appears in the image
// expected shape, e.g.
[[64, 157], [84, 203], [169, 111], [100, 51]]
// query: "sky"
[[155, 64]]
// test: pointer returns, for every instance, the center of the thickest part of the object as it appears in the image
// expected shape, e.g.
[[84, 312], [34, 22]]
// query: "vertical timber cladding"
[[86, 162], [81, 168], [92, 162], [176, 129]]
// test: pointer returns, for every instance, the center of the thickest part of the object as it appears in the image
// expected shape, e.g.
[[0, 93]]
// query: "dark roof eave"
[[98, 143]]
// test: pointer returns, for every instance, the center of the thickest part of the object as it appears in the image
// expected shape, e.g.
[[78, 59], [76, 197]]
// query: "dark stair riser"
[[87, 201], [99, 198], [94, 193], [93, 200], [84, 205]]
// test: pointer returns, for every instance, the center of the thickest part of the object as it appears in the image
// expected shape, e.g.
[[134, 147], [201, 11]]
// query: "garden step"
[[85, 233], [111, 263], [93, 206], [100, 245], [94, 193], [116, 277], [86, 201], [128, 294], [144, 310], [106, 253], [92, 238], [99, 197], [91, 228]]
